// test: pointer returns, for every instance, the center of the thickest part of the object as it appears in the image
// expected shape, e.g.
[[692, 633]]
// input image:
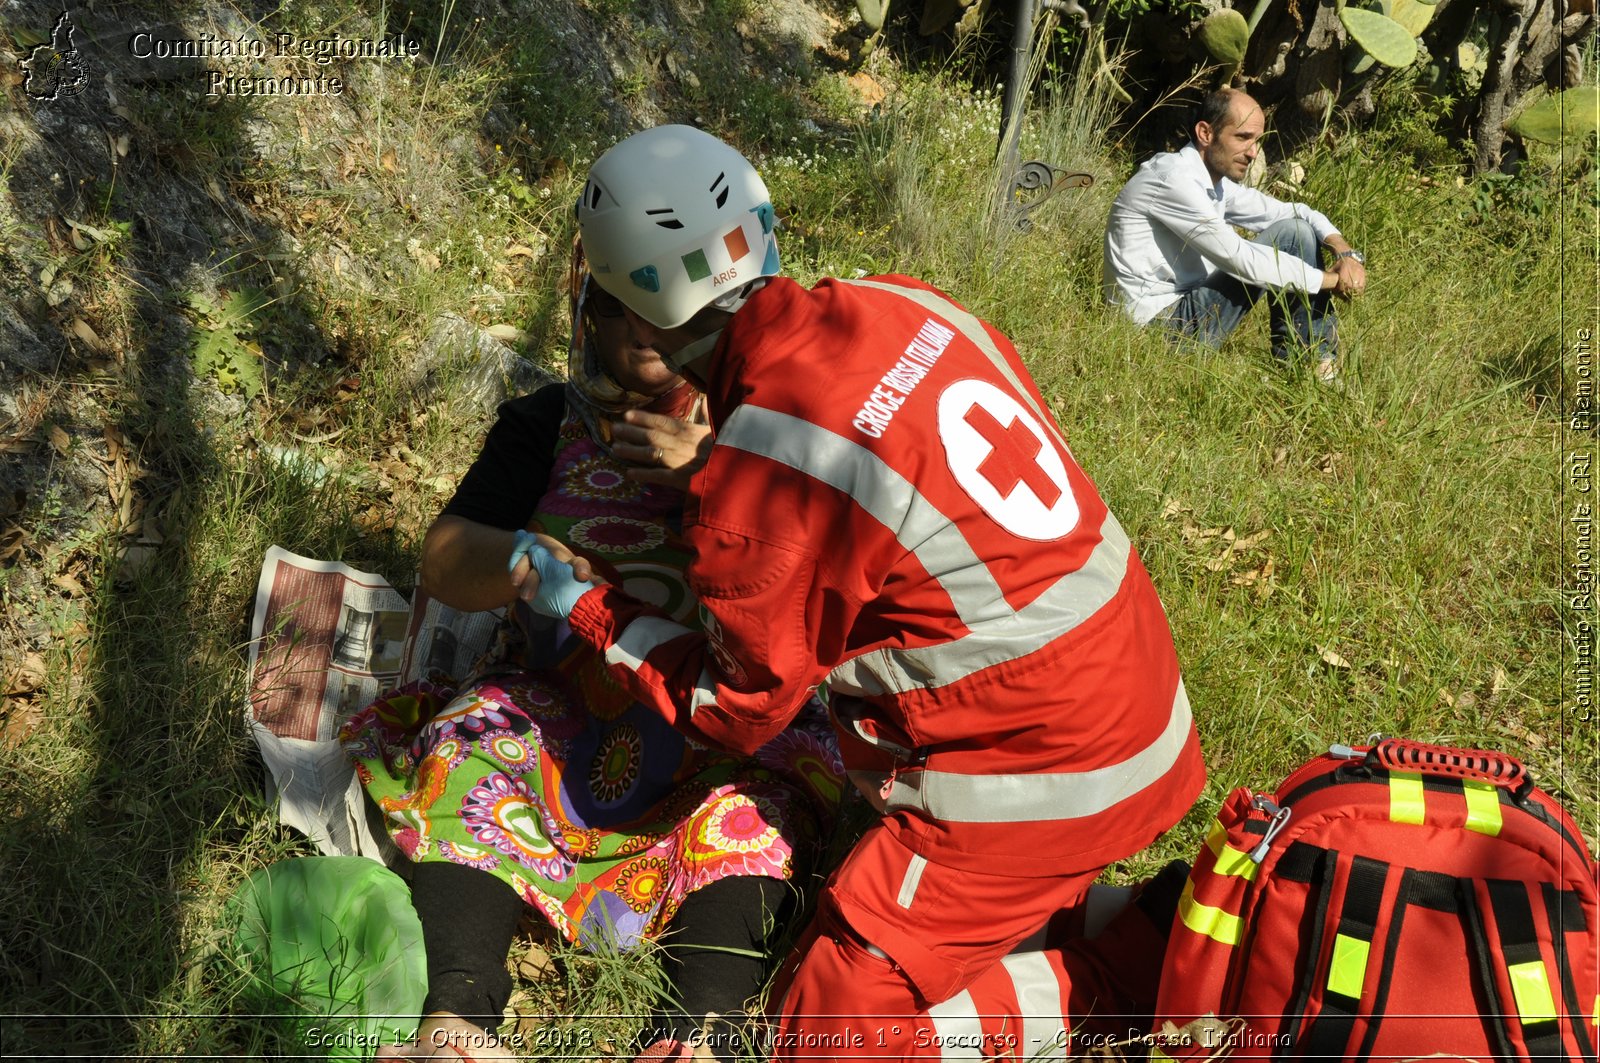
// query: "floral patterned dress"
[[544, 773]]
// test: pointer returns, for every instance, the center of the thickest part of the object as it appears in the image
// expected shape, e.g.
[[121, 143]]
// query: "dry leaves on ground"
[[1231, 549], [21, 710]]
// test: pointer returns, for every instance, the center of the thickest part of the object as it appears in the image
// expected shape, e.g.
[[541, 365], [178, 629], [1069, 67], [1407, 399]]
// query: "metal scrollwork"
[[1036, 182], [1071, 8]]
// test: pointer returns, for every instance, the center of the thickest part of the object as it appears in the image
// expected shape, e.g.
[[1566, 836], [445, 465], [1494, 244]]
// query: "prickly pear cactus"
[[1568, 115], [1384, 39], [1225, 35], [1414, 15]]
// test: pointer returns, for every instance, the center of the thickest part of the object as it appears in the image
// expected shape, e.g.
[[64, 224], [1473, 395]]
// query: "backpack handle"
[[1497, 769]]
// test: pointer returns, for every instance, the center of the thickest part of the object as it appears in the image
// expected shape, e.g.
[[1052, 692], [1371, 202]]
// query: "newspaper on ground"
[[325, 641]]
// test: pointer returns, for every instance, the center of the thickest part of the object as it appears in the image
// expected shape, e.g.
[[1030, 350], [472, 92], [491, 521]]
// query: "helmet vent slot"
[[594, 195], [722, 197], [665, 223]]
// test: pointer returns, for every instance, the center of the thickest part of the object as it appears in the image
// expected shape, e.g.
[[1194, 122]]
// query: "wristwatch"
[[1357, 255]]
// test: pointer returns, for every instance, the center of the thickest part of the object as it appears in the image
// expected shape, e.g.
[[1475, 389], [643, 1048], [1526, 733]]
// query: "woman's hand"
[[660, 449], [556, 593]]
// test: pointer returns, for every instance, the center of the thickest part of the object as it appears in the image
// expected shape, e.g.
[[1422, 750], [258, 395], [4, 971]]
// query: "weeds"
[[223, 347]]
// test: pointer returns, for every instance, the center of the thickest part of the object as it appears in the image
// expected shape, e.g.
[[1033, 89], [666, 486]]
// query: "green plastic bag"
[[333, 945]]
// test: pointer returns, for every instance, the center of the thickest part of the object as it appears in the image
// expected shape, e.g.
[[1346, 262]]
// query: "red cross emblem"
[[1006, 461], [1015, 457]]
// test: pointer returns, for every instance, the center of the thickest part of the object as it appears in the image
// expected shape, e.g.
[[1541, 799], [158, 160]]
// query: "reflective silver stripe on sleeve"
[[644, 635], [908, 884], [640, 637], [705, 692], [956, 1028], [956, 798], [1038, 1004], [996, 632], [887, 496], [1073, 599]]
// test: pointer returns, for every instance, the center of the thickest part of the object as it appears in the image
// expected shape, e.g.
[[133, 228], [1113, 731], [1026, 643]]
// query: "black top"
[[513, 469]]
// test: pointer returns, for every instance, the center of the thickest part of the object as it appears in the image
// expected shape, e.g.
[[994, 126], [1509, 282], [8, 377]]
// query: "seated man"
[[1172, 255]]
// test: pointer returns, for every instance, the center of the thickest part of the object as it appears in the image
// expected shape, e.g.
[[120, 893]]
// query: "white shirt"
[[1171, 227]]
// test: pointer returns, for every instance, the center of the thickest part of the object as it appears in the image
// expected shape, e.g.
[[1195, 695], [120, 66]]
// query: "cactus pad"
[[1384, 38], [1579, 107], [872, 13], [1414, 15], [1225, 35]]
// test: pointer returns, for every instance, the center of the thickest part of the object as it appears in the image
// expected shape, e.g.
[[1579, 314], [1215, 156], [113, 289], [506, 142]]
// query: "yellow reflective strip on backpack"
[[1347, 970], [1214, 923], [1405, 797], [1531, 988], [1483, 807], [1230, 861]]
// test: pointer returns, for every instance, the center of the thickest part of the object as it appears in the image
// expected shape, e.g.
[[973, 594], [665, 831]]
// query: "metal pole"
[[1011, 104], [1024, 188]]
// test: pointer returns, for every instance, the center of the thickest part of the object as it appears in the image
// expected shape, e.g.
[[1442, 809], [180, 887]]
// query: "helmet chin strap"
[[691, 350], [730, 304]]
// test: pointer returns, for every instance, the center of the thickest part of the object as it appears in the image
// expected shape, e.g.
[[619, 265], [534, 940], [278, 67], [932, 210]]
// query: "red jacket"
[[890, 508]]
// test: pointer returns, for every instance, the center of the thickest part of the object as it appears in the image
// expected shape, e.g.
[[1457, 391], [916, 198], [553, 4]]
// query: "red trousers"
[[909, 959]]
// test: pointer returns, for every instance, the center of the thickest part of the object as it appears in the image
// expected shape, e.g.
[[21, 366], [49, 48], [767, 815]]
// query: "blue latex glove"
[[525, 542], [559, 589]]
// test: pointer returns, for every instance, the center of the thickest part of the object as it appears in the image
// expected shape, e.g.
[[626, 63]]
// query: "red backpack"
[[1392, 901]]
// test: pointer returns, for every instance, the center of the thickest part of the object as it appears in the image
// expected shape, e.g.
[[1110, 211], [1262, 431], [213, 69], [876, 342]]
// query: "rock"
[[1256, 170], [20, 348], [10, 418], [867, 88], [491, 382], [141, 53], [462, 361], [214, 408], [795, 31]]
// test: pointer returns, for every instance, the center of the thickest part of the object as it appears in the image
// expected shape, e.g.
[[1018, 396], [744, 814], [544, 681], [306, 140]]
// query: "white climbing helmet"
[[673, 220]]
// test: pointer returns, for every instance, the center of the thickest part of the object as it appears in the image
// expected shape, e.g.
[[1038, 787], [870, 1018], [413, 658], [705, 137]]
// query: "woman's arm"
[[465, 553], [464, 564]]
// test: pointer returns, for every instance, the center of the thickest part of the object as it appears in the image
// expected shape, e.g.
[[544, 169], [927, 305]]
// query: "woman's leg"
[[715, 955], [468, 920]]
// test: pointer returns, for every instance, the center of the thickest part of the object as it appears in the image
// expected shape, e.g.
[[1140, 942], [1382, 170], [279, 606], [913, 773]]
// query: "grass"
[[1386, 559]]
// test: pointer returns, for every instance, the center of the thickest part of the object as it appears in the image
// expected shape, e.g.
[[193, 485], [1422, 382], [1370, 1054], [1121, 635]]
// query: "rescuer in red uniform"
[[888, 508]]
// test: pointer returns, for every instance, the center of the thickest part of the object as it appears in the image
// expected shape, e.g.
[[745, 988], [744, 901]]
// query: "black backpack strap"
[[1328, 1034], [1424, 889], [1564, 908], [1515, 949], [1314, 867], [1483, 955]]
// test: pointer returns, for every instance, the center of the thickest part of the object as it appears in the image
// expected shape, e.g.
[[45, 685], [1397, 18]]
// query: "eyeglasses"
[[600, 301]]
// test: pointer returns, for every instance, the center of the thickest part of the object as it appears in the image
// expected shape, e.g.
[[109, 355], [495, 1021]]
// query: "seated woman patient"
[[539, 782]]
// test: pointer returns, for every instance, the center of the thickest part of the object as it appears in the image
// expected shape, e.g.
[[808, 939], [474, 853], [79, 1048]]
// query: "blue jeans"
[[1300, 320]]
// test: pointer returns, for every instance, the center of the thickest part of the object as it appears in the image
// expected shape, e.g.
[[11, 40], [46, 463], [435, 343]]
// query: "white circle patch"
[[1004, 459]]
